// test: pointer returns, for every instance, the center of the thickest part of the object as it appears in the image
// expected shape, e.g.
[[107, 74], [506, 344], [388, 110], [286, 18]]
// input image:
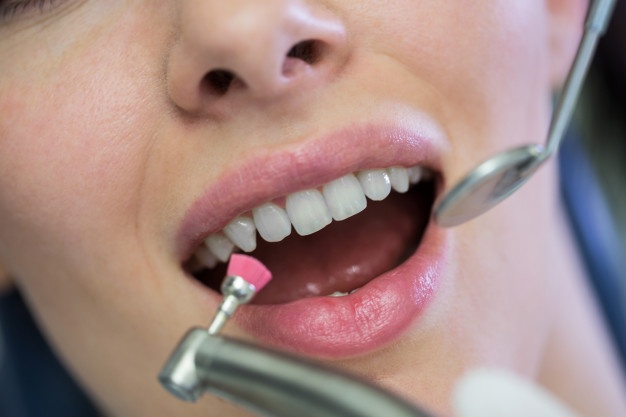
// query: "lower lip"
[[339, 327]]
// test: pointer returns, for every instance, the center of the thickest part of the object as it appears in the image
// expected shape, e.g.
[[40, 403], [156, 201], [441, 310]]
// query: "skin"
[[106, 139]]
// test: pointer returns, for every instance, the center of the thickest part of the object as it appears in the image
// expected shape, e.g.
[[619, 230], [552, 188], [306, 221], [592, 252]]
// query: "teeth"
[[376, 183], [272, 222], [344, 197], [242, 232], [416, 173], [205, 257], [307, 211], [343, 294], [399, 179], [220, 246]]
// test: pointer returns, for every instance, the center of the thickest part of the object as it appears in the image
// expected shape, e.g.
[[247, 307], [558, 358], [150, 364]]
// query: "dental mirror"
[[501, 175]]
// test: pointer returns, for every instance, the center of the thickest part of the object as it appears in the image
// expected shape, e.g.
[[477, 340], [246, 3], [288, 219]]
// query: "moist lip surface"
[[320, 325], [369, 319]]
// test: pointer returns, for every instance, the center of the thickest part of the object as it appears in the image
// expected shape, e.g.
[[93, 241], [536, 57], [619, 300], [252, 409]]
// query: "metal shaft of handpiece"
[[226, 310], [236, 291], [273, 383], [218, 323]]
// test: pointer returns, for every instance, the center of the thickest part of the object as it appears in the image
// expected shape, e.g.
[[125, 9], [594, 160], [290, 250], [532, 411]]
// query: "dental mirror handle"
[[272, 383], [596, 24], [498, 177]]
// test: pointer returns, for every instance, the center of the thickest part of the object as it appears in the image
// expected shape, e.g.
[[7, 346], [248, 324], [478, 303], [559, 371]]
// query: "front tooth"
[[272, 222], [242, 232], [415, 174], [338, 294], [399, 179], [307, 211], [205, 257], [220, 245], [344, 197], [376, 183]]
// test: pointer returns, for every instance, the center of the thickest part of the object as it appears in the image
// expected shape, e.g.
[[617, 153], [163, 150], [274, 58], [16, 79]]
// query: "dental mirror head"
[[488, 184], [500, 176]]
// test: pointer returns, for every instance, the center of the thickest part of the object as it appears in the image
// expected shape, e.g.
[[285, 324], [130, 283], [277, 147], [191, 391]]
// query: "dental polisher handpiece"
[[244, 278], [266, 381]]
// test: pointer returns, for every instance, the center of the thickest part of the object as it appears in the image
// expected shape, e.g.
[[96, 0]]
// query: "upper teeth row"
[[308, 211]]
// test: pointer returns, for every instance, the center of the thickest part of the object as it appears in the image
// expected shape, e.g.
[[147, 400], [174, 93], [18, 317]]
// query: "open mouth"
[[326, 241], [343, 223]]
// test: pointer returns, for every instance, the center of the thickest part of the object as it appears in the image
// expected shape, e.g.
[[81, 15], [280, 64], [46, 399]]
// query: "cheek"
[[487, 61], [74, 138]]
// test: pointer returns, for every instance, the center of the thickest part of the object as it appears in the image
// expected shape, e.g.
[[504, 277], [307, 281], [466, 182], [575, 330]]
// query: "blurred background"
[[601, 116], [593, 163]]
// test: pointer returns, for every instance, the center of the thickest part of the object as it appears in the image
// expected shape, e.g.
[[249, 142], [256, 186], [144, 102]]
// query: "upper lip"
[[263, 177]]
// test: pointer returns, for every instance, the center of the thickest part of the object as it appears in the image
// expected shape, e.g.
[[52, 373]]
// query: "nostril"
[[218, 81], [308, 51]]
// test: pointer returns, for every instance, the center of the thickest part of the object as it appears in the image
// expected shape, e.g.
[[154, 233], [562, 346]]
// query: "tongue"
[[345, 255]]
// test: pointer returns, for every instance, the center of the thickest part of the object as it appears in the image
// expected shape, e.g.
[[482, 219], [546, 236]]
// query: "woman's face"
[[132, 130]]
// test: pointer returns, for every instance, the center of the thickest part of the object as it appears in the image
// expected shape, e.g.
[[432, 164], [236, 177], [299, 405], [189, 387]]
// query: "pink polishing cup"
[[250, 269]]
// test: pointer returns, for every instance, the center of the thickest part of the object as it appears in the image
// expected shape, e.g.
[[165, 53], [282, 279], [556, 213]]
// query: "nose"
[[259, 49]]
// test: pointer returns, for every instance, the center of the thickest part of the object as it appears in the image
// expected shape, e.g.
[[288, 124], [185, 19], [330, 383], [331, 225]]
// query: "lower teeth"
[[342, 294], [338, 294]]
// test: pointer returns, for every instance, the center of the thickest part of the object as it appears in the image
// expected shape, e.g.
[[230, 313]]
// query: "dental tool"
[[244, 278], [263, 380], [501, 175], [273, 383]]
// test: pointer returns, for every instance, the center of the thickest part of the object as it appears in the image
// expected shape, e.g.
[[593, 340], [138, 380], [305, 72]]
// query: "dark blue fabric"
[[598, 242], [32, 381]]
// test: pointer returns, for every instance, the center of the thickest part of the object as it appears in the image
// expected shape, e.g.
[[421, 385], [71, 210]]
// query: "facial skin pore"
[[108, 136]]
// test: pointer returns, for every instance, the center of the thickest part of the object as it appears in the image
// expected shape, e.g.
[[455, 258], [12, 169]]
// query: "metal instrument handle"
[[273, 383]]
